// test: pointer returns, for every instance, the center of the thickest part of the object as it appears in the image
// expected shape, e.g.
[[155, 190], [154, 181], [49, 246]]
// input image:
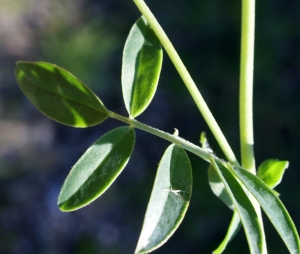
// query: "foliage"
[[62, 97]]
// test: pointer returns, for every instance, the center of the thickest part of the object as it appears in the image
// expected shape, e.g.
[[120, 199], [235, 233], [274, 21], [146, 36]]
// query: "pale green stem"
[[246, 85], [246, 97], [173, 138], [190, 84]]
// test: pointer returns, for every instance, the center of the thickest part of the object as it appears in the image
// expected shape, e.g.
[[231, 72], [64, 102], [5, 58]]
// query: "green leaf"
[[218, 188], [233, 229], [97, 169], [60, 95], [169, 199], [244, 207], [214, 180], [271, 171], [142, 61], [273, 208]]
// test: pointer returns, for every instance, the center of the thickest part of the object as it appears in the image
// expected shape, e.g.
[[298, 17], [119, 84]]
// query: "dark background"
[[86, 37]]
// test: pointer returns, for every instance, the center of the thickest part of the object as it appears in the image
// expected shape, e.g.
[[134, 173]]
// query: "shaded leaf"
[[244, 207], [97, 169], [233, 229], [271, 171], [272, 206], [142, 61], [218, 188], [169, 199], [214, 180], [60, 95]]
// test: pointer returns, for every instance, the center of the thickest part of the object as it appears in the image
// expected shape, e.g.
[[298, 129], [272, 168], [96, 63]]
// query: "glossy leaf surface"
[[244, 207], [60, 95], [271, 171], [142, 61], [273, 208], [97, 169], [218, 188], [169, 199]]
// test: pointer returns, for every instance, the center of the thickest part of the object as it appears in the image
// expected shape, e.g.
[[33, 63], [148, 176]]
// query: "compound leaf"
[[169, 199], [142, 61], [271, 171], [60, 95], [97, 169]]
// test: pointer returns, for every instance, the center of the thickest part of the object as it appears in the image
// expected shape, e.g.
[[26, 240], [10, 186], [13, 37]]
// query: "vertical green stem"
[[187, 79], [246, 85], [246, 96]]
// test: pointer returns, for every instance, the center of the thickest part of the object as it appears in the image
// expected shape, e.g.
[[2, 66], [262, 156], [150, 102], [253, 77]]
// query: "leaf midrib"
[[61, 95], [104, 159]]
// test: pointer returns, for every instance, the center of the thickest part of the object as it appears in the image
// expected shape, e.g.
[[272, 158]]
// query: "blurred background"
[[86, 37]]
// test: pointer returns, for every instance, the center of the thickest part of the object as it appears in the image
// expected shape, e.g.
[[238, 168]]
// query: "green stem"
[[246, 97], [190, 84], [246, 85], [173, 138]]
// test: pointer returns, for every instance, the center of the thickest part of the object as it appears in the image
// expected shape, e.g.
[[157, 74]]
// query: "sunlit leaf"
[[233, 229], [271, 171], [142, 60], [218, 188], [273, 208], [244, 207], [97, 169], [169, 199], [60, 95]]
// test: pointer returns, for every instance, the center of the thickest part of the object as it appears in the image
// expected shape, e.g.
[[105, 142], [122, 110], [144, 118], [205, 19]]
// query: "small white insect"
[[176, 192]]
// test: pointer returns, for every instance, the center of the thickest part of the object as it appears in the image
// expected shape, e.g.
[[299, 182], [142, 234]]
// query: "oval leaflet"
[[141, 66], [97, 169], [169, 199], [60, 95]]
